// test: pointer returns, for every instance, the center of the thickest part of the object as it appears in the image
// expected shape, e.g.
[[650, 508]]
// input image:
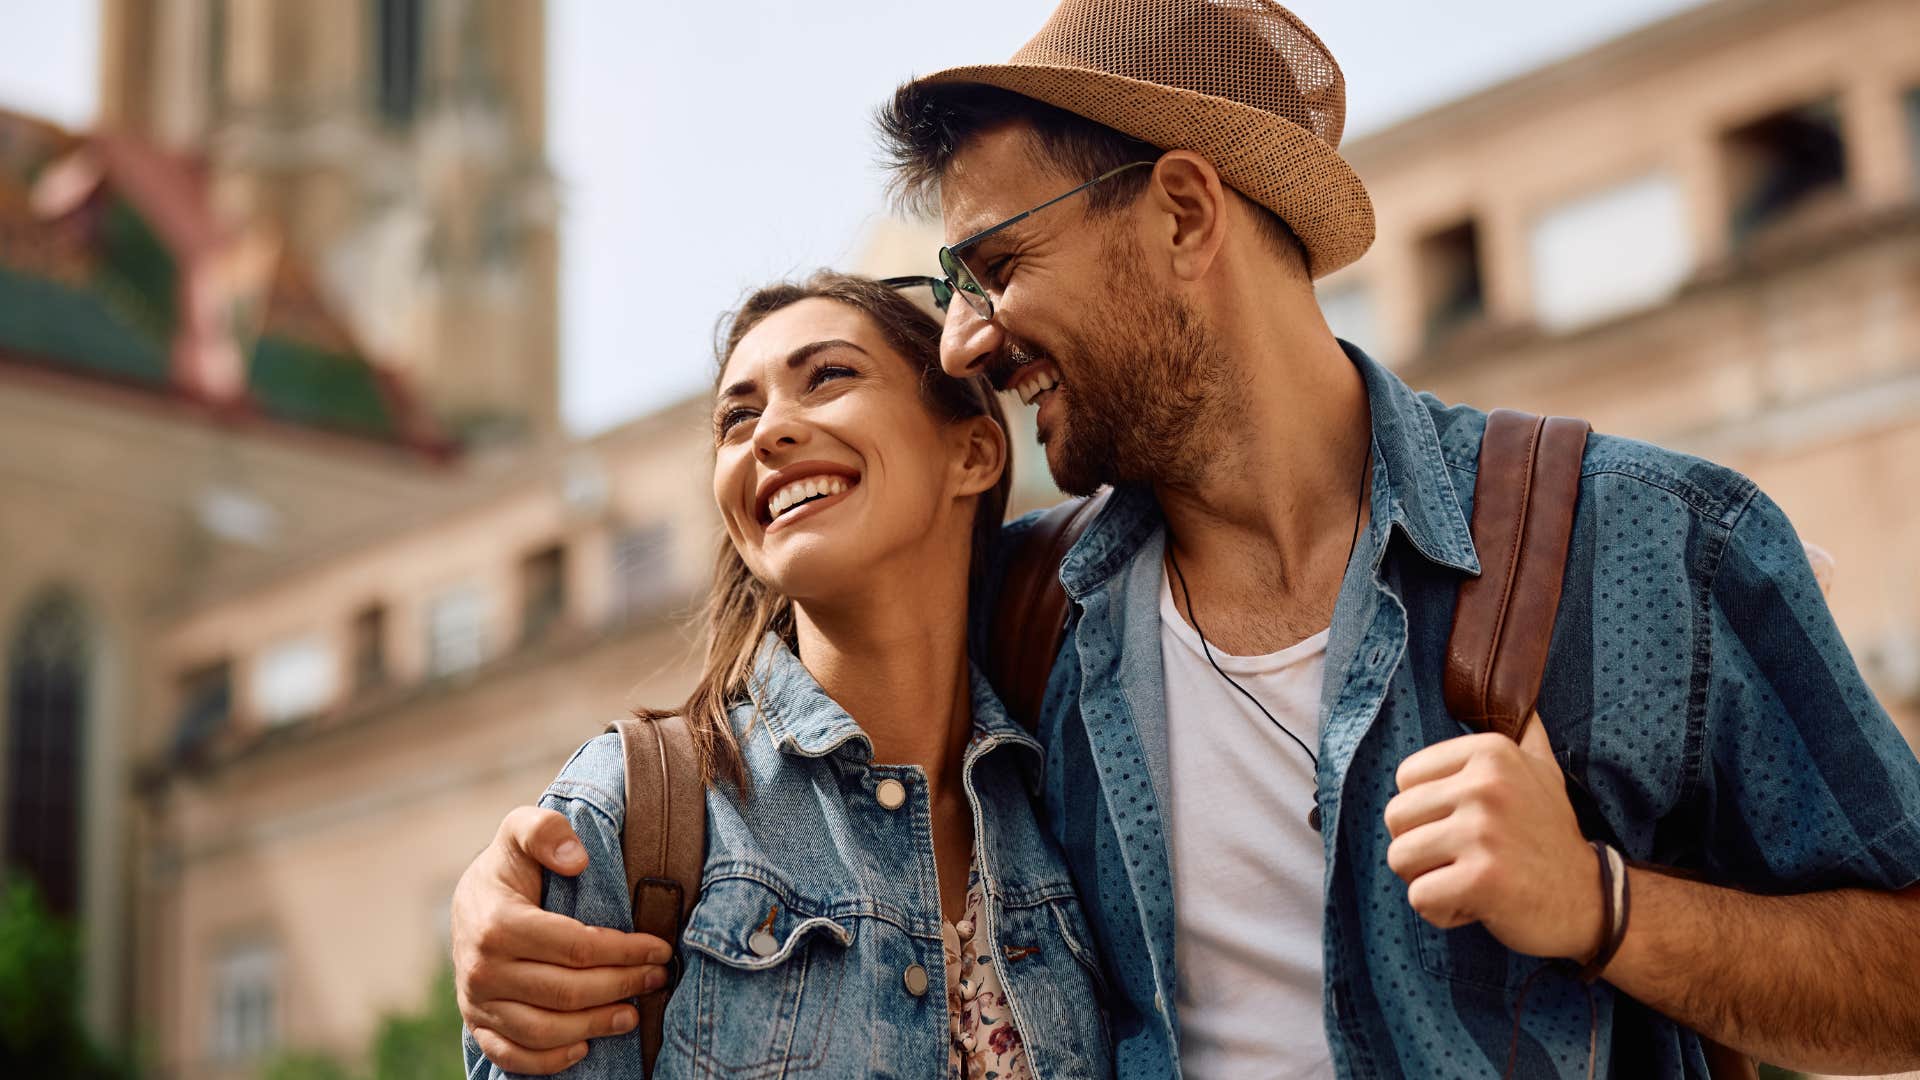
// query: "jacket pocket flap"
[[753, 925]]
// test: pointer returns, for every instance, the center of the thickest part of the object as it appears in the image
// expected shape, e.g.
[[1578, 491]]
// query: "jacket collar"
[[1411, 490], [801, 719]]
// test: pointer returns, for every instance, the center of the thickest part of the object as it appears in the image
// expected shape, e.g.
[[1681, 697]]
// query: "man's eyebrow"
[[746, 387]]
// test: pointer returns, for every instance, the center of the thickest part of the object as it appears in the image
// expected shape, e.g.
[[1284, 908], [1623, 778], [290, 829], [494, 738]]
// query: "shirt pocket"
[[1048, 967], [762, 986]]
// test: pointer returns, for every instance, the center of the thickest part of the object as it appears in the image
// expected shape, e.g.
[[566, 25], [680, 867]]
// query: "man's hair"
[[924, 127]]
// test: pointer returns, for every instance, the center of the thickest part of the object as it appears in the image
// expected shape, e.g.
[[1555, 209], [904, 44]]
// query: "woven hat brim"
[[1269, 159]]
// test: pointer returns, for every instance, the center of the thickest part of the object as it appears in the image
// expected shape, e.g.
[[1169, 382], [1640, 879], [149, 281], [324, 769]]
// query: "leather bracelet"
[[1615, 900]]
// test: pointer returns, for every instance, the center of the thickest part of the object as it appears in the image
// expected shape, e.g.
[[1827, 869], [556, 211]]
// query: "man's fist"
[[533, 986], [1483, 832]]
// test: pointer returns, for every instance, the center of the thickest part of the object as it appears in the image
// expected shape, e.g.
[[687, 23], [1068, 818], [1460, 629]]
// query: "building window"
[[398, 50], [1783, 165], [370, 649], [1610, 251], [456, 631], [642, 570], [1452, 291], [543, 591], [1350, 313], [246, 1021], [47, 667], [206, 706], [294, 680]]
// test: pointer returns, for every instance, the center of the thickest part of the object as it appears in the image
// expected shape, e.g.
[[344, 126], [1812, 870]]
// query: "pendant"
[[1313, 817]]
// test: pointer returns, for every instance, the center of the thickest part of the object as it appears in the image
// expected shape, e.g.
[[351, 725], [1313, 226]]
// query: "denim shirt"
[[848, 891], [1705, 710]]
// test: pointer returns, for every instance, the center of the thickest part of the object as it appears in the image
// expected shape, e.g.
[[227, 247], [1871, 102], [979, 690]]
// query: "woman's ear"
[[983, 454]]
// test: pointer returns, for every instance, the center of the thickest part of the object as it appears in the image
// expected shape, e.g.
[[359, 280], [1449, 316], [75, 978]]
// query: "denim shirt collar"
[[1412, 490], [801, 719]]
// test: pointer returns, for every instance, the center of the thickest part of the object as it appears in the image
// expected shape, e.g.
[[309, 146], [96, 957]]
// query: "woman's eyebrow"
[[746, 387]]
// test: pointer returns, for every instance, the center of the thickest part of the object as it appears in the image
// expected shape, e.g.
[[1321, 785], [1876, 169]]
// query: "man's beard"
[[1145, 389]]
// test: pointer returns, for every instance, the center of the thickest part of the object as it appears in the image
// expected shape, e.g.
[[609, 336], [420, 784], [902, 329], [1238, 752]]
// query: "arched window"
[[47, 665]]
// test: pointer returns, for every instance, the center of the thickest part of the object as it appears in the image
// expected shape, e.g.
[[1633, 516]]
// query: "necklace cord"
[[1173, 558]]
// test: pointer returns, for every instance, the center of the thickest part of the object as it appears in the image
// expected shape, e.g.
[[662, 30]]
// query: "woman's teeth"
[[813, 487], [1034, 385]]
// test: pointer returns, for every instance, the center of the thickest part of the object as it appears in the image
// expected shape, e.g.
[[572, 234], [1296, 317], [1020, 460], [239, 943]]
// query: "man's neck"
[[1263, 533]]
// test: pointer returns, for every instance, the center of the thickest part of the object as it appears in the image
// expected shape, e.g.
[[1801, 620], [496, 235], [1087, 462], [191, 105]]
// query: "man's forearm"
[[1821, 981]]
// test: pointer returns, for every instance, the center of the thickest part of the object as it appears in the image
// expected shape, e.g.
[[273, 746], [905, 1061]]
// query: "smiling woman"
[[870, 836]]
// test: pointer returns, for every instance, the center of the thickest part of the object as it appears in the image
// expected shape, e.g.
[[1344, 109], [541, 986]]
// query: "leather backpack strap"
[[1523, 500], [663, 842], [1030, 610], [1523, 503]]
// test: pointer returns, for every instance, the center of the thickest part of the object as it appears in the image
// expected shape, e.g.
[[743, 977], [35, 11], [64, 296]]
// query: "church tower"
[[398, 147]]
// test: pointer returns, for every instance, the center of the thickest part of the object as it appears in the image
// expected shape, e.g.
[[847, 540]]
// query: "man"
[[1294, 861]]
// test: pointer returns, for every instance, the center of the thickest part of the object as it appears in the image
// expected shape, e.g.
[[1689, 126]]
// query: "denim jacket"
[[848, 893], [1705, 710]]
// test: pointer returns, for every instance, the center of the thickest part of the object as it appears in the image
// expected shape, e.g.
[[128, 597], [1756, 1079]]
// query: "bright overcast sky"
[[704, 148]]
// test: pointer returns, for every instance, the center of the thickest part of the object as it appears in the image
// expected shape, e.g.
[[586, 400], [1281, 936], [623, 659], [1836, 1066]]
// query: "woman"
[[870, 838]]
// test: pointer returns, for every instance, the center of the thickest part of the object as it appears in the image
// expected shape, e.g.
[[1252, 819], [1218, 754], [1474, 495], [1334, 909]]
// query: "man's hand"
[[533, 986], [1483, 832]]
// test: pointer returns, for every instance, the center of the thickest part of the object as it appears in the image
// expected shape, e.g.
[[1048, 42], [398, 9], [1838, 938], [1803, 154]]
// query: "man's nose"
[[968, 343]]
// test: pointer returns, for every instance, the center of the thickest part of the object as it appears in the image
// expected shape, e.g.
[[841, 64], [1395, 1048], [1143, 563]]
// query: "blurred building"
[[306, 596]]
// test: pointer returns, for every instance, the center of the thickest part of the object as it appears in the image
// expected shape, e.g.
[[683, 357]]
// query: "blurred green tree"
[[41, 1033]]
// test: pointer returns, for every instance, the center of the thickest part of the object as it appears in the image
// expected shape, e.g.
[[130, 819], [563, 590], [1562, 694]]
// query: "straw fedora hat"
[[1242, 82]]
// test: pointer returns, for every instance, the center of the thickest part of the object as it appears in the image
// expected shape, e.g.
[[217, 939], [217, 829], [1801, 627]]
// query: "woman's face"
[[829, 466]]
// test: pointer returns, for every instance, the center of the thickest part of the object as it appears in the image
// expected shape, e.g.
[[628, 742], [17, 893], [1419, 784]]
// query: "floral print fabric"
[[985, 1044]]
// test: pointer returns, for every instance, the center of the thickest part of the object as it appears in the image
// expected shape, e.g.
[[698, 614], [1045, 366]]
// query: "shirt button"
[[916, 980], [964, 928], [891, 793], [1159, 1005], [763, 944]]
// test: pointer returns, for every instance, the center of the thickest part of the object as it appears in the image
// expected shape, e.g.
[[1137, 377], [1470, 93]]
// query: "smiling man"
[[1295, 861]]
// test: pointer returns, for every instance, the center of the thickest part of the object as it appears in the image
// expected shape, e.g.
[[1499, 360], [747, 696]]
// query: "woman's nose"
[[777, 430], [968, 343]]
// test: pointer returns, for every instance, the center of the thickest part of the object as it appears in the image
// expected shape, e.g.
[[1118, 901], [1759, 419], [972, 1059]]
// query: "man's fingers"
[[519, 1059], [1423, 850], [529, 1027], [547, 937], [562, 989], [1445, 758], [544, 838], [1419, 805], [1441, 896]]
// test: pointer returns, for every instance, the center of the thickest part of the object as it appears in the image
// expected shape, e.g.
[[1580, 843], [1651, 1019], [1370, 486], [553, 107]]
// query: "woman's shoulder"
[[596, 775]]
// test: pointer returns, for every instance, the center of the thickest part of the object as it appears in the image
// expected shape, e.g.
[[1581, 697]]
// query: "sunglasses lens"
[[942, 293], [965, 283]]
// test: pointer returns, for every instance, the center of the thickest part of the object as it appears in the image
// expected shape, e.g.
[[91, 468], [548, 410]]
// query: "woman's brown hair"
[[741, 609]]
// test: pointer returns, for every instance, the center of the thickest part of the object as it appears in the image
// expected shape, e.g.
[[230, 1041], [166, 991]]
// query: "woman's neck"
[[894, 655]]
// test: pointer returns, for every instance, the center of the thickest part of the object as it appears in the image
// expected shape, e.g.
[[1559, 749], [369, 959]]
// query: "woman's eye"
[[825, 372], [730, 418]]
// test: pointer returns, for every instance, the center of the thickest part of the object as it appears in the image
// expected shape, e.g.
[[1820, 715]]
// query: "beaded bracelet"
[[1615, 903]]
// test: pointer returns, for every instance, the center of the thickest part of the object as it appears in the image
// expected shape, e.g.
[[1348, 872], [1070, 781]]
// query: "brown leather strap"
[[1030, 612], [664, 843], [1523, 502]]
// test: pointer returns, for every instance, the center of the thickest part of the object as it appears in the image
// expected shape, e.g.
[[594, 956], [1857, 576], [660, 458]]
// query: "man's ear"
[[984, 454], [1192, 212]]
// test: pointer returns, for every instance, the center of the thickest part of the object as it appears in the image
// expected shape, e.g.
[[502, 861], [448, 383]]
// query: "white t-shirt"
[[1247, 867]]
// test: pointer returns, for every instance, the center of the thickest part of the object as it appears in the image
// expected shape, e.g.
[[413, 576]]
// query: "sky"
[[704, 149]]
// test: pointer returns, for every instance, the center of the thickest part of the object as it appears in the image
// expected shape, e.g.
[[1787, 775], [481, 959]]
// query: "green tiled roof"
[[81, 327], [297, 381]]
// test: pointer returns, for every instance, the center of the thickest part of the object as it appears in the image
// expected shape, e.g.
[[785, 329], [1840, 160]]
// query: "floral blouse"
[[985, 1044]]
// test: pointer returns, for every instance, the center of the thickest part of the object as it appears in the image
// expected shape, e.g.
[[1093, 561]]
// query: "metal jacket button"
[[916, 980], [891, 793], [763, 944]]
